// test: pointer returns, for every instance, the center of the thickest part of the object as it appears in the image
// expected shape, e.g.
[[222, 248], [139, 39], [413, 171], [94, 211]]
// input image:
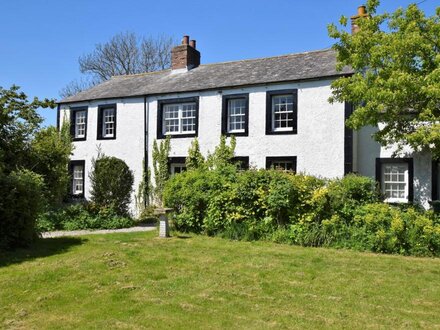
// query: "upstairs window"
[[395, 178], [78, 123], [107, 122], [178, 118], [77, 174], [281, 112], [281, 163], [235, 113]]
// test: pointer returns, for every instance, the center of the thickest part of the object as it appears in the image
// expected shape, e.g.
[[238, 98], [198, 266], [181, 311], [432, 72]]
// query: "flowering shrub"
[[298, 209]]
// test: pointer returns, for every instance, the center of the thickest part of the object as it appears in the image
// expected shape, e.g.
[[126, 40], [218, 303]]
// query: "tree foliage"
[[125, 53], [195, 159], [21, 193], [396, 81], [223, 154], [111, 184], [161, 153], [51, 150], [19, 121]]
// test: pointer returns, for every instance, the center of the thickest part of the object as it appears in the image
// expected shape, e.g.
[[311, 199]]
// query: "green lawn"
[[136, 280]]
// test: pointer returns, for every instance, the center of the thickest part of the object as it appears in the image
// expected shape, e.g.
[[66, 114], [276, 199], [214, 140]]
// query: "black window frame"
[[269, 95], [73, 163], [101, 109], [225, 102], [243, 162], [409, 161], [160, 105], [434, 179], [175, 160], [270, 160], [73, 112]]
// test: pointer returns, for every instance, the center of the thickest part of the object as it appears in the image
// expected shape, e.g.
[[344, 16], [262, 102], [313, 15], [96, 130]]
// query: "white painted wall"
[[318, 146], [129, 141], [368, 150]]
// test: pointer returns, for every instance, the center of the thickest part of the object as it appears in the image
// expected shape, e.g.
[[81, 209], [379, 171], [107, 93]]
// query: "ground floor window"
[[281, 163], [395, 177], [77, 174], [242, 162], [176, 165]]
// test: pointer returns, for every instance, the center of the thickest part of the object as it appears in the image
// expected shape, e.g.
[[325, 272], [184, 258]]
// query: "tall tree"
[[123, 54], [396, 81]]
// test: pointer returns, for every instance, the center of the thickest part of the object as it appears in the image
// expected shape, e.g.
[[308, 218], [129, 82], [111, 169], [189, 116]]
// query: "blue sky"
[[41, 40]]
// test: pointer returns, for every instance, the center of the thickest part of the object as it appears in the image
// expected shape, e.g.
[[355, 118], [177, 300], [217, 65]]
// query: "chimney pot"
[[185, 56], [362, 11], [361, 14]]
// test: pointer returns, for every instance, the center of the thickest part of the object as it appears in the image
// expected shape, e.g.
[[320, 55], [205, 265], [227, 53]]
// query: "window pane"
[[108, 122], [282, 112], [285, 165], [236, 115], [80, 124], [395, 181], [78, 181], [179, 118]]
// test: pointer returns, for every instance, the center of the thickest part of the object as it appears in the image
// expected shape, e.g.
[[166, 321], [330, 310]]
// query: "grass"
[[135, 280]]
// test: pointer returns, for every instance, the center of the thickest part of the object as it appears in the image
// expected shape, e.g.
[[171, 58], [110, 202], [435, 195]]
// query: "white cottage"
[[277, 107]]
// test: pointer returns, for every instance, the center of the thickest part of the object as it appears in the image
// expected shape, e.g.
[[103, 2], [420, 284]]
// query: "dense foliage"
[[161, 153], [111, 184], [31, 175], [298, 209], [396, 60], [21, 199], [82, 216], [51, 151]]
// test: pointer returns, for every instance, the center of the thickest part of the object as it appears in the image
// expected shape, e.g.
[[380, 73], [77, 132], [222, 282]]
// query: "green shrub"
[[298, 209], [82, 216], [112, 184], [346, 194], [391, 230], [21, 199], [188, 194]]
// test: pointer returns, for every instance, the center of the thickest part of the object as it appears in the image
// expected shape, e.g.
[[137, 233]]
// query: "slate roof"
[[286, 68]]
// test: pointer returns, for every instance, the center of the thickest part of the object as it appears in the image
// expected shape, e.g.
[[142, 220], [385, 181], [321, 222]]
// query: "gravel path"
[[51, 234]]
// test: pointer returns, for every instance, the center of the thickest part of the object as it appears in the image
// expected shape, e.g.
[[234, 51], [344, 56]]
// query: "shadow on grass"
[[40, 249]]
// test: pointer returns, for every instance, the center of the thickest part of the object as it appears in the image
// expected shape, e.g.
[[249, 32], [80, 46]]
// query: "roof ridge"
[[225, 62], [270, 57]]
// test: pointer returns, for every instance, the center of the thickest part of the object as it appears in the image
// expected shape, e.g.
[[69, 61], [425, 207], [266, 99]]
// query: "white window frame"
[[282, 164], [273, 112], [104, 122], [179, 118], [230, 115], [77, 179], [80, 114], [174, 166], [386, 183]]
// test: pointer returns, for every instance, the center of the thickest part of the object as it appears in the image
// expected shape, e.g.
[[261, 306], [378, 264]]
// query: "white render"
[[318, 146]]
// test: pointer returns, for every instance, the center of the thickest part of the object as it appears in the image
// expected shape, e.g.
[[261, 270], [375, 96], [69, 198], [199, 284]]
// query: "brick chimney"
[[361, 13], [185, 56]]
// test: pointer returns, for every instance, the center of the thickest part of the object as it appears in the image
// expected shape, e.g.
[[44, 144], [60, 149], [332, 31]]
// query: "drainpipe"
[[146, 117]]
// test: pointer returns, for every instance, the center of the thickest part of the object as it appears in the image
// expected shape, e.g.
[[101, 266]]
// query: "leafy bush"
[[20, 202], [82, 216], [51, 151], [298, 209], [112, 184]]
